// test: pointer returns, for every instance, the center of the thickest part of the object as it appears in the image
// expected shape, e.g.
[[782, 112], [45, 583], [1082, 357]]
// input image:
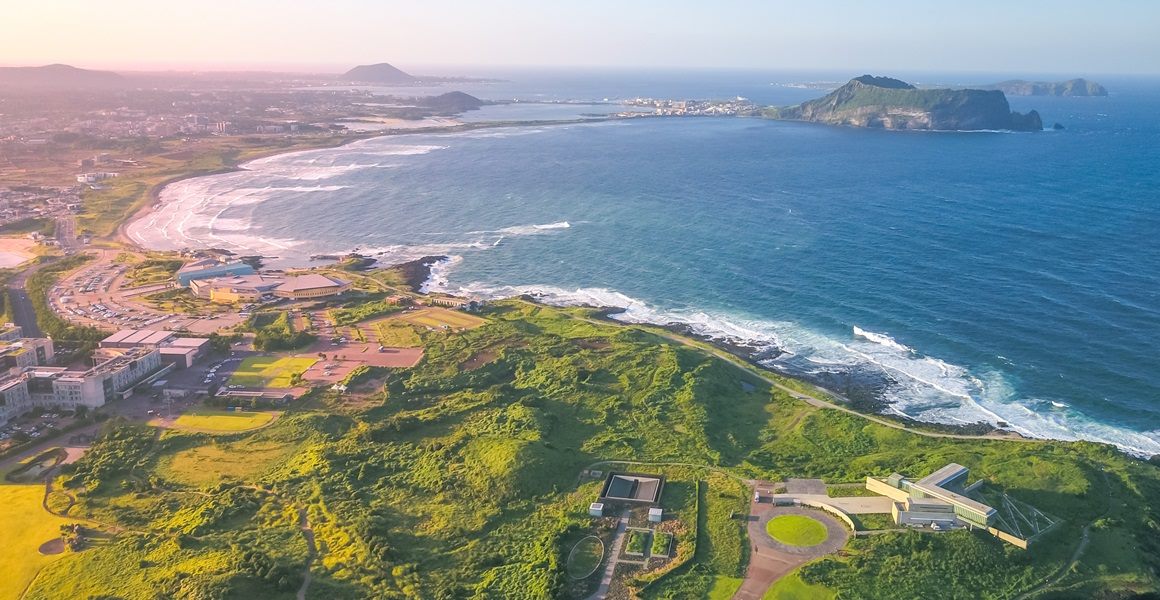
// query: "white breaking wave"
[[525, 229], [881, 338]]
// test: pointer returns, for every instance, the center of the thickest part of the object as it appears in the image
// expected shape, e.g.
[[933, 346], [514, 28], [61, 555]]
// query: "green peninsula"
[[886, 103]]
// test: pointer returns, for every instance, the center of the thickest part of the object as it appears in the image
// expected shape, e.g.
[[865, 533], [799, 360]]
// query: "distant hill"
[[451, 102], [58, 77], [378, 73], [888, 103], [1071, 87]]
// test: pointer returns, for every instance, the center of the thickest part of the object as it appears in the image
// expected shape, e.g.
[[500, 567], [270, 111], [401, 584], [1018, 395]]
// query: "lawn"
[[723, 588], [269, 371], [394, 334], [585, 557], [210, 463], [217, 421], [660, 544], [791, 587], [796, 530], [439, 318], [26, 526]]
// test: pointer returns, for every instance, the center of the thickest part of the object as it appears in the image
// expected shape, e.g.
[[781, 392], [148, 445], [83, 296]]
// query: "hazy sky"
[[1062, 36]]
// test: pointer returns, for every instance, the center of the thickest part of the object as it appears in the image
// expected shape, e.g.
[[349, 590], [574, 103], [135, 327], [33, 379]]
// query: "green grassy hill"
[[463, 484]]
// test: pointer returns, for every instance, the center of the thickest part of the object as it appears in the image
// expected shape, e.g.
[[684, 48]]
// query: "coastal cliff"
[[883, 102], [1071, 87]]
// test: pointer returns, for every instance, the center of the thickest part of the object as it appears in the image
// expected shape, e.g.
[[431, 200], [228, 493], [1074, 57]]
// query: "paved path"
[[770, 560], [613, 559], [854, 505]]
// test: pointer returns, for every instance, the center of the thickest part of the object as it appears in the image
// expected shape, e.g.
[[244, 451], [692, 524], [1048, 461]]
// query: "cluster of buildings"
[[234, 282], [123, 361], [692, 108]]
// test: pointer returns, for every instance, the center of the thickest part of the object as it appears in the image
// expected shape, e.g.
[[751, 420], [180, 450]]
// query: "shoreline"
[[154, 195], [862, 398]]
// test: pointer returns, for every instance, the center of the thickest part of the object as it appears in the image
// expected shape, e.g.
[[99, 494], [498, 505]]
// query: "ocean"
[[956, 276]]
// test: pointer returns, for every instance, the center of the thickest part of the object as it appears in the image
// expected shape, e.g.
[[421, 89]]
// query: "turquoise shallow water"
[[958, 276]]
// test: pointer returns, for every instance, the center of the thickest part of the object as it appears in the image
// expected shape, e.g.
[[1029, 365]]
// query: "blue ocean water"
[[1004, 277]]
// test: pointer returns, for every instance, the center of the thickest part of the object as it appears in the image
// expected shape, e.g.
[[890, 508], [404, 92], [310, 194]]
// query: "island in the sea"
[[888, 103], [1071, 87]]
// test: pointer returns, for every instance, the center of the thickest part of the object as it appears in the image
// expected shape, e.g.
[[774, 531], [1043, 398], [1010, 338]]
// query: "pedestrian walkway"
[[613, 558]]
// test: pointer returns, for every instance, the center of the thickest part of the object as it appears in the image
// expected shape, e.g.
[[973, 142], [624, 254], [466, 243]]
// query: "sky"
[[1017, 36]]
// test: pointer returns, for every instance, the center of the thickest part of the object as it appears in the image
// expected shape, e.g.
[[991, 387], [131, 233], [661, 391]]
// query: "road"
[[22, 311]]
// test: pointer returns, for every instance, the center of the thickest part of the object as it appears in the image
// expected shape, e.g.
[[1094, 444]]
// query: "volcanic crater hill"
[[887, 103], [379, 73], [58, 77]]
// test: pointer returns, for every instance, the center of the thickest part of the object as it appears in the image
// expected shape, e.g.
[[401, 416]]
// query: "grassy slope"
[[26, 527], [460, 484]]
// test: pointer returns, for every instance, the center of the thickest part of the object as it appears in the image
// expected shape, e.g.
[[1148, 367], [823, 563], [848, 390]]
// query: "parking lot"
[[96, 296]]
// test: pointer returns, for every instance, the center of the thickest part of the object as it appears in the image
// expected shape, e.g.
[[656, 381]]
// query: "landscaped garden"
[[796, 530], [636, 542], [660, 543]]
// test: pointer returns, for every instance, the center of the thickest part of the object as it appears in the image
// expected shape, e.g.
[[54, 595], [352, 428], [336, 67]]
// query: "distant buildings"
[[236, 289]]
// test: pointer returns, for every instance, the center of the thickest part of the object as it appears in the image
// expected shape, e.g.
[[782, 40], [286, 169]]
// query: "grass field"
[[796, 530], [585, 557], [26, 526], [269, 371], [214, 421], [393, 333], [791, 587], [723, 588], [211, 463], [441, 317]]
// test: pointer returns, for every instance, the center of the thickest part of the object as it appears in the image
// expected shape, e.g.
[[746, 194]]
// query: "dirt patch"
[[592, 343], [479, 359], [52, 547]]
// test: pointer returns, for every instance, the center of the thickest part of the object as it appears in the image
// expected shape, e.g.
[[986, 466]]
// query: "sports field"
[[26, 526], [222, 421], [796, 530], [269, 371], [439, 318]]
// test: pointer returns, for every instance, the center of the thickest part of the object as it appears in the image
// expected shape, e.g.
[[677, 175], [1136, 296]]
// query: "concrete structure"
[[133, 338], [235, 289], [596, 509], [310, 286], [209, 268], [115, 372], [656, 515], [632, 487], [935, 500]]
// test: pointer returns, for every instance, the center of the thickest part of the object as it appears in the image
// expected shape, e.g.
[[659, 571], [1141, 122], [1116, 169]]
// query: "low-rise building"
[[938, 500], [235, 289], [208, 268], [311, 285]]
